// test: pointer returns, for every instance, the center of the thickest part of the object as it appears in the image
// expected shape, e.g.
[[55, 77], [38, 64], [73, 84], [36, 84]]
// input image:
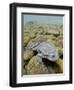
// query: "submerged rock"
[[35, 66]]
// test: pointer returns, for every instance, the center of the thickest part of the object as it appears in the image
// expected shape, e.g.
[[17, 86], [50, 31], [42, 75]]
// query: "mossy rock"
[[40, 37], [52, 32], [60, 63], [60, 50], [28, 54], [32, 35], [26, 34], [59, 43], [26, 39], [36, 67]]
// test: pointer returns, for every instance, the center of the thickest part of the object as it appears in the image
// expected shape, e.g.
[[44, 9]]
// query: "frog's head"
[[53, 56]]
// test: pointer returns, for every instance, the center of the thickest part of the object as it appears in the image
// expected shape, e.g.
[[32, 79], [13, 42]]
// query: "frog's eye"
[[53, 56]]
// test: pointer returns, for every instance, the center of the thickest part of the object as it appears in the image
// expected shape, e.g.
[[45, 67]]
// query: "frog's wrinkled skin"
[[45, 50]]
